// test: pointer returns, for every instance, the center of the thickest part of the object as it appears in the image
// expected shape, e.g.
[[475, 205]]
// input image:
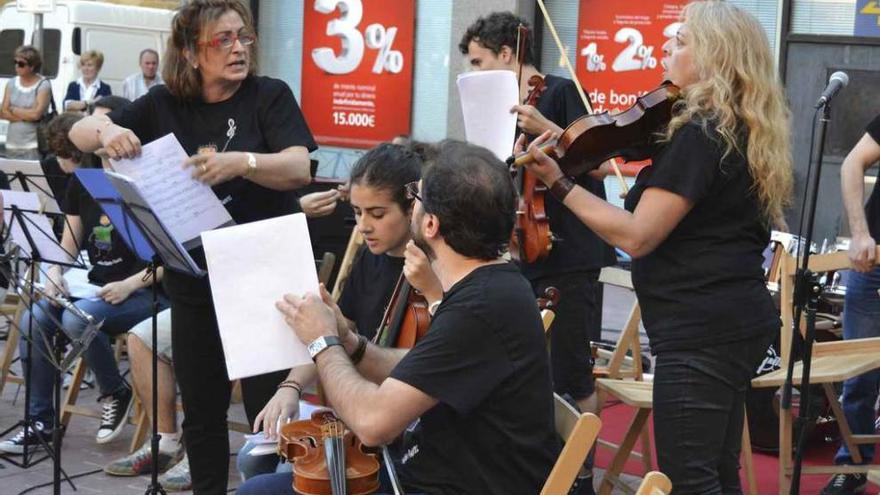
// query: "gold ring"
[[203, 168]]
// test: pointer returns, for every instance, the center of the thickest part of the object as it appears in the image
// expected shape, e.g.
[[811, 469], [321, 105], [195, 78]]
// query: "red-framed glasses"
[[227, 39]]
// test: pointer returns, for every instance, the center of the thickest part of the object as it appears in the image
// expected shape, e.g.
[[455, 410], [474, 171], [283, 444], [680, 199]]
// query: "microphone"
[[836, 82]]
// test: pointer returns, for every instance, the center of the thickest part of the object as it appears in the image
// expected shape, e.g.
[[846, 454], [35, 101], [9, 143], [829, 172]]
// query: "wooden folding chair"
[[628, 386], [69, 406], [579, 431], [832, 362], [13, 307], [655, 483]]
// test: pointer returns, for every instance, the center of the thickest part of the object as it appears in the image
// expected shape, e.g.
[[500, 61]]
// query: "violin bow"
[[392, 473], [623, 187]]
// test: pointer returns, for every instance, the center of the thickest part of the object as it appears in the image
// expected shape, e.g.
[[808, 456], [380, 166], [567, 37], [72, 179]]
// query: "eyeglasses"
[[412, 190], [227, 39], [21, 64]]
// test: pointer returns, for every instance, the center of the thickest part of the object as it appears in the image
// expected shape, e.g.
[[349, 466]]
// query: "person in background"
[[121, 301], [88, 87], [137, 85], [25, 101], [861, 305]]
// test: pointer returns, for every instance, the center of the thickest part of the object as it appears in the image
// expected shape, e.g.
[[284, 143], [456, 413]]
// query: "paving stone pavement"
[[80, 454]]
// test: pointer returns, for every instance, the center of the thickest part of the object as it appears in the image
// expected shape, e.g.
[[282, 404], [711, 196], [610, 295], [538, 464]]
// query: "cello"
[[532, 239]]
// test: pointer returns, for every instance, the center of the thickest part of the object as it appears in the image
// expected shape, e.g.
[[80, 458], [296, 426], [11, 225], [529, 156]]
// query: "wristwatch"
[[320, 344], [252, 165]]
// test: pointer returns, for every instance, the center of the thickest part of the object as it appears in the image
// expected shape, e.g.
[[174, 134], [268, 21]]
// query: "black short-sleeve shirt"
[[484, 360], [109, 256], [704, 284], [578, 248], [262, 116], [872, 208], [368, 290]]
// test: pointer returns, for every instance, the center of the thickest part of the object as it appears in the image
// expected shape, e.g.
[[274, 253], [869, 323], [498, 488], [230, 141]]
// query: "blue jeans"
[[99, 355], [861, 319]]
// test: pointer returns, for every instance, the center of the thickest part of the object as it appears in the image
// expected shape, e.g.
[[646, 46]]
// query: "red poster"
[[620, 46], [357, 70]]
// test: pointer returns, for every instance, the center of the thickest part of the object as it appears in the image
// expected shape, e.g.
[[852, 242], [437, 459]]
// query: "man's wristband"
[[561, 188], [359, 351]]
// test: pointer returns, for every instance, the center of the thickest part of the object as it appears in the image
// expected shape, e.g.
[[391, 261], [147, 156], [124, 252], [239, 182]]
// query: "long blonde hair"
[[739, 90]]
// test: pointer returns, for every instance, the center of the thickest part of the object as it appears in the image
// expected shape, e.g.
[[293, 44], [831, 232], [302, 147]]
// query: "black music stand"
[[146, 235], [31, 251], [806, 301]]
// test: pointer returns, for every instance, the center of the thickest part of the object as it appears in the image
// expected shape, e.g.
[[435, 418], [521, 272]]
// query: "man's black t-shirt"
[[368, 289], [109, 256], [704, 284], [484, 360], [262, 116], [872, 208], [578, 249]]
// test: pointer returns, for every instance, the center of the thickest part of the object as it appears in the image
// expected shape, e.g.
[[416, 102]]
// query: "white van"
[[119, 31]]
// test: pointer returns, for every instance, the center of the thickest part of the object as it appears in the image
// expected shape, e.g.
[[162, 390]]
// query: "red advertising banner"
[[357, 67], [619, 48]]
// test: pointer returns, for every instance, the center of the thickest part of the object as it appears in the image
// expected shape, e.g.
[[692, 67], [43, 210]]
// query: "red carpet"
[[616, 420]]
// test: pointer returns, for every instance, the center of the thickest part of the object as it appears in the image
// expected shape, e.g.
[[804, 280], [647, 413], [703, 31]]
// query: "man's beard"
[[420, 241]]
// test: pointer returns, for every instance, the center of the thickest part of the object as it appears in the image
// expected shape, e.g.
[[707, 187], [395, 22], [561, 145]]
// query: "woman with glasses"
[[258, 144], [88, 87], [25, 101]]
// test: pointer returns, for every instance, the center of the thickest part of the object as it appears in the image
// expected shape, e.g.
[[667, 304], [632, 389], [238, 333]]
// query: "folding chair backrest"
[[655, 483], [579, 431]]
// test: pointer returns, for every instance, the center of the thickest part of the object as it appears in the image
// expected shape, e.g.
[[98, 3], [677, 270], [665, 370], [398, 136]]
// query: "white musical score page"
[[186, 206]]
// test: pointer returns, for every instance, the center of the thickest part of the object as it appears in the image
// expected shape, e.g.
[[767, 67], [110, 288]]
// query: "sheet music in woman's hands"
[[186, 206]]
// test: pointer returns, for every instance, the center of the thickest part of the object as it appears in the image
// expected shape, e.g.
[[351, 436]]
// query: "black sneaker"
[[15, 445], [845, 484], [116, 409]]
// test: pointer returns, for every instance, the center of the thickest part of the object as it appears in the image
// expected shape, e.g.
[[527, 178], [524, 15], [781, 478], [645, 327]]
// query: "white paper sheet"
[[35, 180], [486, 100], [187, 206], [78, 284], [264, 445], [250, 267], [37, 225]]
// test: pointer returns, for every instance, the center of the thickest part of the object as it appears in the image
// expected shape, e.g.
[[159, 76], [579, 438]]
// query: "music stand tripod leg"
[[155, 487]]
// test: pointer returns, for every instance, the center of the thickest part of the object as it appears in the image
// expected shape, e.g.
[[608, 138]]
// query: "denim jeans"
[[861, 319], [99, 355], [699, 405]]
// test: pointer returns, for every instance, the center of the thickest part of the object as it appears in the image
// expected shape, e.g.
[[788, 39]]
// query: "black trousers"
[[699, 404], [578, 321], [200, 368]]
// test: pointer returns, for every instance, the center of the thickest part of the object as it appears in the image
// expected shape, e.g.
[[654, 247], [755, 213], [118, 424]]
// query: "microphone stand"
[[806, 299]]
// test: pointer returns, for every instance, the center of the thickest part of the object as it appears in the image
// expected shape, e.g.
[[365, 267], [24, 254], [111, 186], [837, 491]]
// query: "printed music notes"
[[186, 206]]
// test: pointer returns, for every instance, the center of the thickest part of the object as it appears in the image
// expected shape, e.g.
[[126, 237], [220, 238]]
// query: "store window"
[[280, 28]]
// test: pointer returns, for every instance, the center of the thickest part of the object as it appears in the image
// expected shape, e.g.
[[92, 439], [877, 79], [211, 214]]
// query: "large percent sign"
[[349, 58], [635, 56]]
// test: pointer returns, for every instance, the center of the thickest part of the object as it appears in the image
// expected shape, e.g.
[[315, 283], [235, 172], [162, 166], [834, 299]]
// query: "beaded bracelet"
[[291, 384]]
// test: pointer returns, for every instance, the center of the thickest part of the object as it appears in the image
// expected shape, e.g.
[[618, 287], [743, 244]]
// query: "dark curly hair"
[[389, 167], [497, 30], [56, 135], [470, 192]]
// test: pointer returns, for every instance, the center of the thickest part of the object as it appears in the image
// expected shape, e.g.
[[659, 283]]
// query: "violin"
[[327, 458], [595, 138], [549, 300], [532, 239], [406, 319]]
